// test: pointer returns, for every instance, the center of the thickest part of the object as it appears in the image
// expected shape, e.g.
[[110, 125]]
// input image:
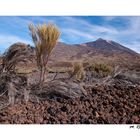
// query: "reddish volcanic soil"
[[114, 100], [114, 104]]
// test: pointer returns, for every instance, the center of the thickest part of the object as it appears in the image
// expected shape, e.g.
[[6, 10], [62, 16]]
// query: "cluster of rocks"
[[114, 104]]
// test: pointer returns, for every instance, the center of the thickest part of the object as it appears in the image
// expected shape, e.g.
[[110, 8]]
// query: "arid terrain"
[[105, 90]]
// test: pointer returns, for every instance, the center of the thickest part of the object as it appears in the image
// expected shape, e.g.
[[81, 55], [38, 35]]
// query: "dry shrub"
[[45, 38], [11, 93], [102, 70], [58, 69], [16, 53], [77, 71], [26, 94]]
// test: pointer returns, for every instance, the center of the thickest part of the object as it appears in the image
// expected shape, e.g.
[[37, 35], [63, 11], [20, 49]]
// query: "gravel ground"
[[116, 104]]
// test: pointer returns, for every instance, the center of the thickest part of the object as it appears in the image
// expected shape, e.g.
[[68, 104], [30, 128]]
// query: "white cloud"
[[15, 22], [7, 40], [74, 32], [78, 29], [89, 26], [109, 18], [127, 36], [134, 46]]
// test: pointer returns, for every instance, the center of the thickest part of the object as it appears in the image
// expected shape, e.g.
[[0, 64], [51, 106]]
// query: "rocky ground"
[[113, 99], [116, 104]]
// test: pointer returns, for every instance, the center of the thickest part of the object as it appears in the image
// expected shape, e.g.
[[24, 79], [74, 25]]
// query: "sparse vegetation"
[[102, 70], [15, 54], [80, 88], [25, 69], [45, 38], [59, 69], [77, 71]]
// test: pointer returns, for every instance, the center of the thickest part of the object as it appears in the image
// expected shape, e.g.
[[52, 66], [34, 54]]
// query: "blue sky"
[[74, 29]]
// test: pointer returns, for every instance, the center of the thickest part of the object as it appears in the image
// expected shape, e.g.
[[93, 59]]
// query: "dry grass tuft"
[[102, 70], [45, 38], [15, 54], [77, 71]]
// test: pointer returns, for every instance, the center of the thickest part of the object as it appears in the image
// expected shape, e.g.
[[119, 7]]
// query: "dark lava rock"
[[106, 105]]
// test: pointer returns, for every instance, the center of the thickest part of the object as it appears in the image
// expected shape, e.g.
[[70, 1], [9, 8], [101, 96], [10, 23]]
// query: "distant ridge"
[[90, 50], [109, 46]]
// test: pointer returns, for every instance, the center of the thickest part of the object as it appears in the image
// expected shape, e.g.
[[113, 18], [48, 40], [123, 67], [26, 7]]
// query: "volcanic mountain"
[[98, 51], [109, 47], [100, 47]]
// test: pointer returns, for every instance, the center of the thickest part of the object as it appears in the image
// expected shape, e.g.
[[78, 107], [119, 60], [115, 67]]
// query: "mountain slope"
[[97, 51], [108, 47], [100, 47]]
